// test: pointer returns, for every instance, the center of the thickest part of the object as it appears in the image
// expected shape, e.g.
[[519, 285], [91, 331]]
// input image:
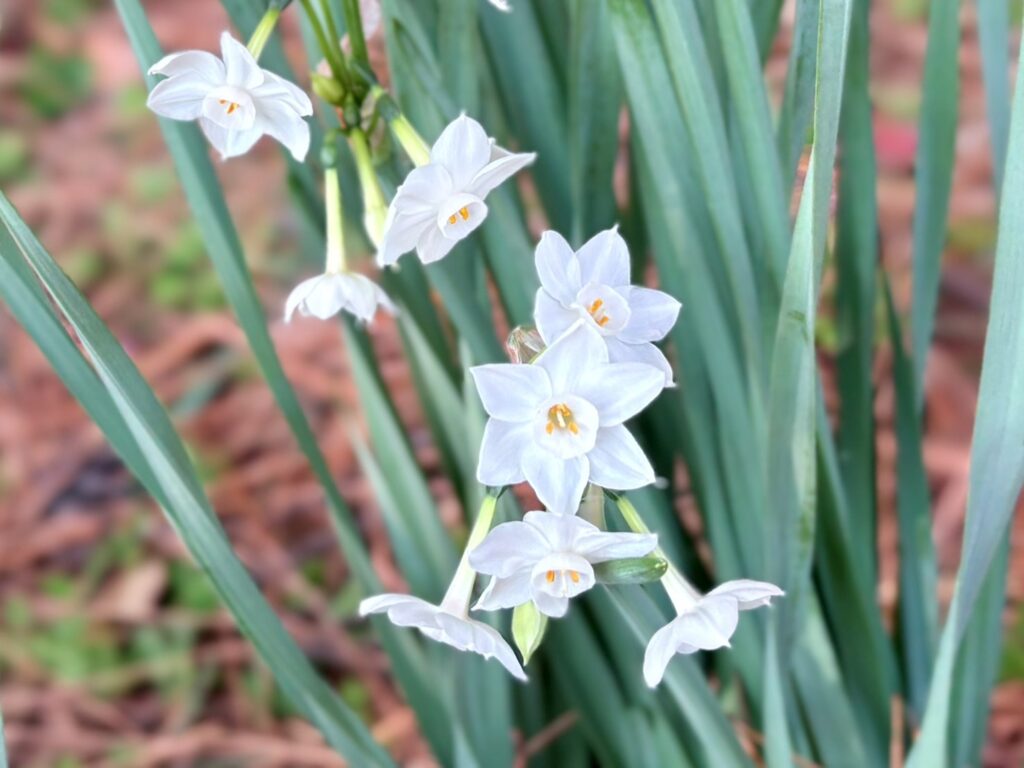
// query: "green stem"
[[680, 592], [456, 599], [336, 63], [335, 231], [356, 38], [413, 144], [263, 31], [375, 207]]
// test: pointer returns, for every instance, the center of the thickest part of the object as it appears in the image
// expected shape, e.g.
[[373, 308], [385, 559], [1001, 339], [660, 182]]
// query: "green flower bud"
[[632, 570], [528, 627], [328, 89]]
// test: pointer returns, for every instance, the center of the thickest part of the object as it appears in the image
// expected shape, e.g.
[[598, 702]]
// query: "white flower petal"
[[470, 635], [505, 592], [433, 245], [558, 484], [619, 391], [463, 148], [652, 315], [554, 606], [601, 546], [281, 121], [748, 593], [617, 461], [179, 98], [578, 349], [551, 317], [500, 168], [646, 353], [501, 453], [660, 650], [558, 268], [511, 392], [200, 64], [560, 531], [276, 88], [298, 296], [508, 548], [229, 143], [604, 259], [240, 67], [710, 625]]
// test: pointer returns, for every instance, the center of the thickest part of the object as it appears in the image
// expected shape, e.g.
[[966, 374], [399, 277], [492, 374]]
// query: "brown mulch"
[[63, 494]]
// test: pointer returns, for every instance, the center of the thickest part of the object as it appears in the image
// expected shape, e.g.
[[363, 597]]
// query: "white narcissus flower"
[[705, 623], [325, 295], [593, 283], [443, 201], [558, 423], [446, 626], [501, 5], [548, 558], [235, 101]]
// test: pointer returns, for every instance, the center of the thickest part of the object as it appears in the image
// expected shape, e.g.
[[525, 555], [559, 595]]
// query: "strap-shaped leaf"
[[181, 495], [997, 451]]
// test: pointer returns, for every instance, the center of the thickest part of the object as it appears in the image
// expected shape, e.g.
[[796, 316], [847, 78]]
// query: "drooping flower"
[[445, 626], [325, 295], [442, 202], [558, 423], [704, 623], [235, 101], [337, 288], [593, 283], [449, 622], [548, 558]]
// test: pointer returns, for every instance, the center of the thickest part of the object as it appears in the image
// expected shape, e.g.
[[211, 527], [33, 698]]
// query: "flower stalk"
[[356, 37], [375, 207], [682, 595], [332, 52], [336, 262], [261, 35], [460, 591]]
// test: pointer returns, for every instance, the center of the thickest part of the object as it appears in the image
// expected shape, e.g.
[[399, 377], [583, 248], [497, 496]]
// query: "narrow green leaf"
[[458, 44], [997, 452], [798, 97], [186, 504], [534, 102], [994, 43], [936, 153], [3, 746], [764, 15], [918, 603], [595, 94], [791, 463], [688, 64], [856, 255], [401, 478], [753, 119]]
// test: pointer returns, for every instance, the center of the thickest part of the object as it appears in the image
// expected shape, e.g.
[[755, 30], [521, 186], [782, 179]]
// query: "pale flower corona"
[[442, 202], [548, 558], [594, 284], [704, 622], [558, 423], [233, 98], [325, 295]]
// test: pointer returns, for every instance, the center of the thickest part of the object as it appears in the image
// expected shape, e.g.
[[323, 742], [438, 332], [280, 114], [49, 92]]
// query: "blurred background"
[[113, 650]]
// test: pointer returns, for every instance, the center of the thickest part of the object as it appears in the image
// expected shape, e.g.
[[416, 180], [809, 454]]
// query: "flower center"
[[463, 212], [229, 106], [596, 311], [563, 582], [560, 417]]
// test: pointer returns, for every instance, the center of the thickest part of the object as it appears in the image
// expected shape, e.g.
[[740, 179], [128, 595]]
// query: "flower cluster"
[[557, 418]]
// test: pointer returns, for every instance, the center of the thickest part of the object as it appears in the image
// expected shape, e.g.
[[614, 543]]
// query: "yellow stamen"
[[594, 308], [452, 219], [232, 106], [575, 576], [464, 213], [560, 417], [550, 576]]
